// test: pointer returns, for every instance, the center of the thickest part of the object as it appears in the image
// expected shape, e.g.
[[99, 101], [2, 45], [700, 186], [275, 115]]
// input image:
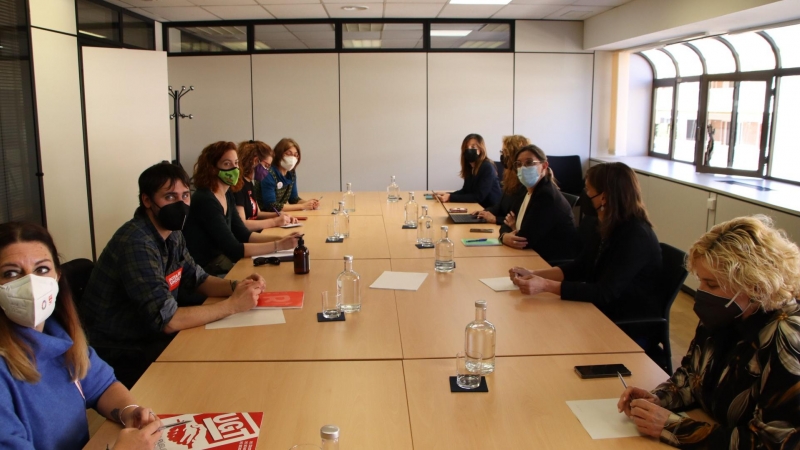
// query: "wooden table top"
[[525, 407], [372, 333], [368, 203], [366, 399], [432, 319]]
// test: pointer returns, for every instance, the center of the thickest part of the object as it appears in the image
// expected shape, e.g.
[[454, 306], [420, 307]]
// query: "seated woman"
[[542, 220], [513, 190], [279, 187], [479, 174], [743, 366], [618, 271], [251, 154], [50, 375], [215, 234]]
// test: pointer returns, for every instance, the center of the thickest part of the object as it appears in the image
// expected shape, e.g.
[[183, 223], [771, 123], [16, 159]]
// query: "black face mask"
[[712, 311], [173, 216], [471, 155]]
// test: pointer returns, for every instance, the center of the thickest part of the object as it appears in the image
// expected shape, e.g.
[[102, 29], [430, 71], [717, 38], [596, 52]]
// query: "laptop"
[[461, 217]]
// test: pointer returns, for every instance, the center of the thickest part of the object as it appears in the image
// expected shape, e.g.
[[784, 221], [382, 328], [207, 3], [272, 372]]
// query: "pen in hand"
[[622, 380]]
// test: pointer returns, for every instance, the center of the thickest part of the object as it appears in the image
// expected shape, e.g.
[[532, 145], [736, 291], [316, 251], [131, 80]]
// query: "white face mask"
[[30, 300], [288, 162]]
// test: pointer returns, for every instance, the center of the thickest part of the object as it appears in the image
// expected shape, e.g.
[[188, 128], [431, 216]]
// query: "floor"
[[683, 322]]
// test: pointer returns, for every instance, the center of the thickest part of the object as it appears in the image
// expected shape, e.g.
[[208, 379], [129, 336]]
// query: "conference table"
[[381, 374]]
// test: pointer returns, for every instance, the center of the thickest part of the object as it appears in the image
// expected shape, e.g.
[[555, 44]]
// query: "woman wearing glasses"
[[542, 219], [479, 173], [279, 187], [618, 272], [513, 190], [251, 156]]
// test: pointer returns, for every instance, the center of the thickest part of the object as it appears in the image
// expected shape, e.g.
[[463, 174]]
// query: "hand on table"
[[648, 417], [443, 196], [139, 439], [258, 279], [511, 220], [633, 393], [512, 240], [245, 297], [311, 204], [138, 417], [518, 271], [530, 284], [289, 242], [485, 215], [292, 219]]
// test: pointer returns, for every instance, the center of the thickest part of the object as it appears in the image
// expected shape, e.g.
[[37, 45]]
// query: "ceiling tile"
[[148, 14], [222, 2], [414, 10], [288, 2], [119, 3], [544, 2], [469, 11], [336, 12], [182, 13], [352, 2], [573, 12], [612, 3], [239, 12], [306, 11], [159, 4], [526, 11]]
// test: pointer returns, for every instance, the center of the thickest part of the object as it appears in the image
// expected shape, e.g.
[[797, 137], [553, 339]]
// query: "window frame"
[[91, 41]]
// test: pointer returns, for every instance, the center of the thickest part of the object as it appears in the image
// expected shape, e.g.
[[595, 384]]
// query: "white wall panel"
[[640, 98], [553, 101], [297, 96], [127, 122], [467, 93], [383, 111], [221, 102], [601, 104], [57, 15], [548, 36], [729, 208], [58, 107]]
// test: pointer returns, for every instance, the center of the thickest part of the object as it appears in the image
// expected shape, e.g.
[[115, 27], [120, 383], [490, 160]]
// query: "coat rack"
[[176, 99]]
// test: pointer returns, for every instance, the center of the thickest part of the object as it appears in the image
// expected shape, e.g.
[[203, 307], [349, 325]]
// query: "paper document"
[[292, 225], [403, 281], [601, 419], [251, 318], [500, 284], [220, 431], [277, 254]]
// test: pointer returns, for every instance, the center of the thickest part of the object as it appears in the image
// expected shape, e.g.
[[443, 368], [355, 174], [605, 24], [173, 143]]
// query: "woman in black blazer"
[[479, 173], [541, 219], [512, 188]]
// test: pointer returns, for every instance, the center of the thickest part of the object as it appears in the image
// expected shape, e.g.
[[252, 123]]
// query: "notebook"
[[280, 300]]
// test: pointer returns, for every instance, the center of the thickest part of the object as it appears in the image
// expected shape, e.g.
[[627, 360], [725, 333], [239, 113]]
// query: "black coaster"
[[424, 246], [409, 227], [321, 318], [334, 240], [483, 387]]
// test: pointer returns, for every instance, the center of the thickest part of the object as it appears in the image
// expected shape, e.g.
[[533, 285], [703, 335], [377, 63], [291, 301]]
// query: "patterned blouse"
[[747, 378]]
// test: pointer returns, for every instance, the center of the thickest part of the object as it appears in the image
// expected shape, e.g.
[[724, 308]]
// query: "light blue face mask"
[[528, 176]]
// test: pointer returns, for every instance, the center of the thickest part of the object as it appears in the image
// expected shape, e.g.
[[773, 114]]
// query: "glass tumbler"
[[331, 305], [468, 370]]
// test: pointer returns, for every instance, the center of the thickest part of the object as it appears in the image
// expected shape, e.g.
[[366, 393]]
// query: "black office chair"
[[571, 199], [77, 273], [673, 274], [568, 172], [500, 169]]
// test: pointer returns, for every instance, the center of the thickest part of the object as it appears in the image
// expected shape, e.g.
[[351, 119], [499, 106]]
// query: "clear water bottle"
[[480, 336], [425, 228], [412, 211], [444, 253], [348, 286], [330, 437], [393, 190], [349, 199], [342, 221]]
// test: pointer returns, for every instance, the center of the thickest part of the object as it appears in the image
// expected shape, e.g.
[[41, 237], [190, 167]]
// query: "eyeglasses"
[[530, 162], [272, 260]]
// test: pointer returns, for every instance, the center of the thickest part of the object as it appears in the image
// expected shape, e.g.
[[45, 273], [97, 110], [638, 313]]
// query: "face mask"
[[471, 155], [230, 176], [714, 311], [288, 162], [30, 300], [528, 176], [173, 216]]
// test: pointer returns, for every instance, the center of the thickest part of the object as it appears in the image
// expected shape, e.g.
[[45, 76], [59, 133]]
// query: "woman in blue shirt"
[[279, 187], [49, 376]]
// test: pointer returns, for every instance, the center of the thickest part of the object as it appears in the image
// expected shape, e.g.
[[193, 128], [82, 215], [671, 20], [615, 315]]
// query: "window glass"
[[719, 113], [785, 152], [688, 62], [754, 51], [471, 35], [208, 39], [665, 68], [138, 32], [749, 115], [97, 21], [295, 37], [717, 55], [786, 38], [686, 121], [381, 35], [662, 120]]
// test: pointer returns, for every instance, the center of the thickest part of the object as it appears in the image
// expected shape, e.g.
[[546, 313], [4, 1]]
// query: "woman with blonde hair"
[[743, 366], [479, 173], [251, 156], [513, 190], [49, 376]]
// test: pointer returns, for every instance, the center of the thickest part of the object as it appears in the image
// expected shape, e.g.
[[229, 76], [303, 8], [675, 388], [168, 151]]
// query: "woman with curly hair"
[[513, 190], [251, 155], [743, 366]]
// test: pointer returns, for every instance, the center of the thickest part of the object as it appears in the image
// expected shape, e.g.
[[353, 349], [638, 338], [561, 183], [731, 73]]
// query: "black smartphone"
[[602, 371], [481, 230]]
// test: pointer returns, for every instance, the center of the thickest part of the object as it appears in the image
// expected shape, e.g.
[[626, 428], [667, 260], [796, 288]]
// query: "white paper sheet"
[[292, 225], [251, 318], [276, 254], [500, 284], [402, 281], [601, 420]]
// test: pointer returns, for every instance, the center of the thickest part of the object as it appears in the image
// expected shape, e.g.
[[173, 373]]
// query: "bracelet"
[[123, 412], [233, 285]]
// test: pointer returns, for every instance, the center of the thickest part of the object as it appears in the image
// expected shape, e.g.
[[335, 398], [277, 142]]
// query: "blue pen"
[[477, 240], [276, 210]]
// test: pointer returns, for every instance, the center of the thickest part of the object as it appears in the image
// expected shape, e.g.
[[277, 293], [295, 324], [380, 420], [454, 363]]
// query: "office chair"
[[568, 172], [673, 274], [500, 168], [77, 273], [571, 199]]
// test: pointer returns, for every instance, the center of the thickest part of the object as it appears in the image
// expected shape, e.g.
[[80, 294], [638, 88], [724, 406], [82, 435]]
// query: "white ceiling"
[[192, 10]]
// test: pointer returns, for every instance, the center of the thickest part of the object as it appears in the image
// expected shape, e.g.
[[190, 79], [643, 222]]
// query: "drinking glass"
[[305, 447], [333, 230], [468, 370], [331, 305]]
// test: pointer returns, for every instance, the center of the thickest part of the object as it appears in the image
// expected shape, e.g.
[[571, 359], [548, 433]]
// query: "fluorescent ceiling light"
[[450, 33], [480, 2], [92, 34], [361, 43]]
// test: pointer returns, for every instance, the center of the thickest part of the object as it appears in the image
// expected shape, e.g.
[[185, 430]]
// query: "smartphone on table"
[[602, 371]]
